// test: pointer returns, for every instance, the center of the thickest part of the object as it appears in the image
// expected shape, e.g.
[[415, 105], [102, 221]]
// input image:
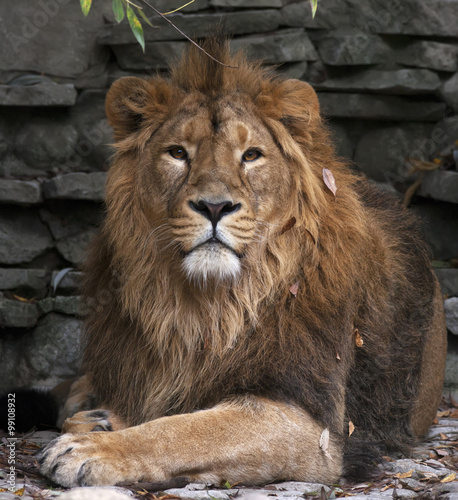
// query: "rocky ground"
[[430, 473]]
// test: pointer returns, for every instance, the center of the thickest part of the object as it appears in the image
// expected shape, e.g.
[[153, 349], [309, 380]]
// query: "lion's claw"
[[78, 460]]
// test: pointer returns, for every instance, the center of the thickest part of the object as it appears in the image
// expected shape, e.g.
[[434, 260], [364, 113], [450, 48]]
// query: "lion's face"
[[211, 173], [210, 181]]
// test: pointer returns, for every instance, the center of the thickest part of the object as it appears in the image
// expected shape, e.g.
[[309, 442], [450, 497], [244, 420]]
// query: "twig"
[[176, 482], [422, 167], [184, 34], [179, 8]]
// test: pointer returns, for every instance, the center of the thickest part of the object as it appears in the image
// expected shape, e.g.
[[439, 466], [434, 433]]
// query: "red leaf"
[[330, 181], [289, 225], [294, 288]]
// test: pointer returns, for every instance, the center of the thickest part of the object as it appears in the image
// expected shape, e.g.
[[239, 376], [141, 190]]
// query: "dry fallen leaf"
[[449, 478], [358, 339], [330, 181], [294, 288], [311, 236], [444, 437], [351, 428], [324, 443], [19, 492], [404, 475], [289, 225], [23, 299]]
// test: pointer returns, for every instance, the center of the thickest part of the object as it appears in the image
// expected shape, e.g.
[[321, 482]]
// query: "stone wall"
[[386, 73]]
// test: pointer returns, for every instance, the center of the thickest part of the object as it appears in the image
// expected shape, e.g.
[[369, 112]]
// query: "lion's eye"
[[251, 155], [178, 152]]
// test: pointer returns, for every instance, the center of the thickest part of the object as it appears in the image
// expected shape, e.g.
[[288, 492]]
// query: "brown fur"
[[161, 343]]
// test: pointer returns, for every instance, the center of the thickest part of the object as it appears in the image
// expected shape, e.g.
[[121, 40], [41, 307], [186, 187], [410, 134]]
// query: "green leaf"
[[86, 6], [136, 27], [314, 6], [118, 10], [140, 11]]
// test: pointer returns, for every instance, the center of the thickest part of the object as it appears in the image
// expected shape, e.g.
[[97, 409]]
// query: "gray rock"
[[201, 494], [22, 236], [384, 153], [73, 227], [401, 81], [11, 166], [158, 55], [440, 185], [448, 279], [429, 54], [348, 47], [344, 146], [406, 465], [52, 38], [199, 25], [299, 15], [439, 226], [3, 145], [69, 283], [449, 427], [375, 107], [76, 186], [95, 136], [44, 144], [42, 94], [247, 3], [449, 92], [97, 493], [300, 487], [406, 17], [451, 314], [17, 314], [74, 248], [294, 70], [51, 352], [65, 305], [20, 192], [168, 5], [279, 47], [447, 131], [33, 279]]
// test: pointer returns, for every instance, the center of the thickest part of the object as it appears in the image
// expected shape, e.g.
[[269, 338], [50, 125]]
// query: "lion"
[[244, 316]]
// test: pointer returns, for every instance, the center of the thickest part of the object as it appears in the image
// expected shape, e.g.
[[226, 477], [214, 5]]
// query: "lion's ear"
[[131, 102], [298, 105]]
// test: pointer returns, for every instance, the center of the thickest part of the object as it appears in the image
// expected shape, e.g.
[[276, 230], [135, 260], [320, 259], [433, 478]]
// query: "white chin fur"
[[211, 261]]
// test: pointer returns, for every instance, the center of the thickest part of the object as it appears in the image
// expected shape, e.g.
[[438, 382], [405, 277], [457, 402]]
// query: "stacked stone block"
[[386, 73]]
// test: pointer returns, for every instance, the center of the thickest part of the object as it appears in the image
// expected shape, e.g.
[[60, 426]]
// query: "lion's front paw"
[[81, 460], [90, 421]]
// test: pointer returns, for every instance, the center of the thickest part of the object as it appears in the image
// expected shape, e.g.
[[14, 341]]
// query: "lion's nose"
[[214, 212]]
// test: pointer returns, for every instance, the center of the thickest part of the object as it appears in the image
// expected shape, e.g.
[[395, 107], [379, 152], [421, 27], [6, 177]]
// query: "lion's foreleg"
[[254, 441]]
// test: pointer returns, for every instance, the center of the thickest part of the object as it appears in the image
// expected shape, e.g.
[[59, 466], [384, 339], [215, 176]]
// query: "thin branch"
[[179, 8], [184, 34]]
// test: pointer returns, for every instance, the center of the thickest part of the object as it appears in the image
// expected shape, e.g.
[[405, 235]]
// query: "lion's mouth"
[[214, 243], [212, 258]]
